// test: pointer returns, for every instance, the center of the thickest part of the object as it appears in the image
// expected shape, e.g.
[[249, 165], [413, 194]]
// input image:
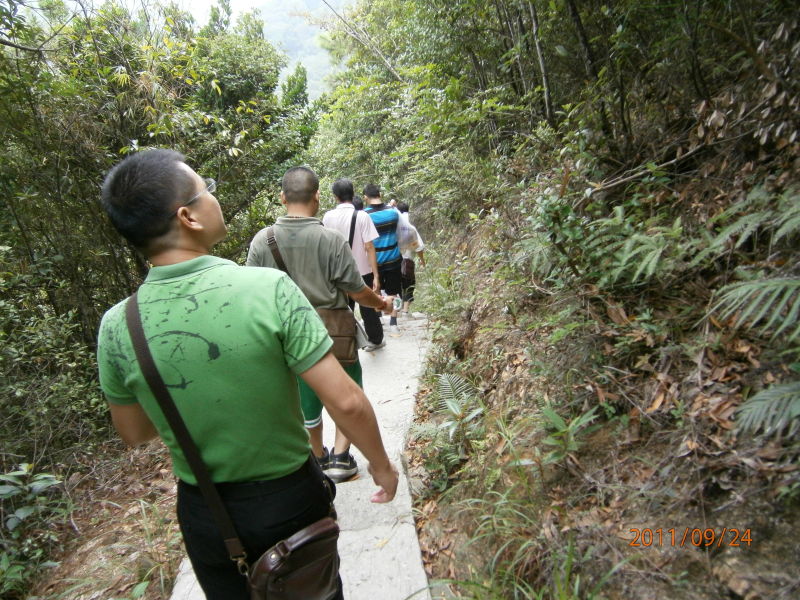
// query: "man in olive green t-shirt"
[[228, 342], [321, 263]]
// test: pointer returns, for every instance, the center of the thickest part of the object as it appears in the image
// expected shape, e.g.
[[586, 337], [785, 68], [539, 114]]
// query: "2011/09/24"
[[691, 536]]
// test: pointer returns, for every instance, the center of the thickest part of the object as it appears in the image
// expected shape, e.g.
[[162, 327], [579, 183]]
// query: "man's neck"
[[300, 210], [375, 201], [174, 256]]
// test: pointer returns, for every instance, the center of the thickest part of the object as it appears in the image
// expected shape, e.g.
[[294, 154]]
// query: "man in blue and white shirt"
[[387, 251]]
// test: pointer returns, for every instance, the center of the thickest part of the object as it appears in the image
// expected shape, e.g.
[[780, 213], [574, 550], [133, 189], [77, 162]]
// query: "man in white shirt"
[[411, 247], [359, 230]]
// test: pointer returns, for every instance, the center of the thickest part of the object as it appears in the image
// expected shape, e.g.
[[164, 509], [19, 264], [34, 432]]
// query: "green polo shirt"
[[228, 342]]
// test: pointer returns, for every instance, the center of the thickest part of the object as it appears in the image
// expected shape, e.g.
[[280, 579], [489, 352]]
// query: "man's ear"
[[316, 205], [188, 219], [283, 198]]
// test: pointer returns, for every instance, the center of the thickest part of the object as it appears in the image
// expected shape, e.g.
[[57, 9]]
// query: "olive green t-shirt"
[[319, 260], [228, 342]]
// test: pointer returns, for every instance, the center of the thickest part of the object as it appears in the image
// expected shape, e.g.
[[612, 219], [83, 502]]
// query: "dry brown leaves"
[[126, 531]]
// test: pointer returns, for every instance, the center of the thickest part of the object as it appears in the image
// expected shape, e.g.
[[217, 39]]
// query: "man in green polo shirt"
[[319, 260], [228, 342]]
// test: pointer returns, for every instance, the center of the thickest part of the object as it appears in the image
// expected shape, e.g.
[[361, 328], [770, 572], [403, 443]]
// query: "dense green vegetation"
[[77, 92], [611, 189], [614, 188]]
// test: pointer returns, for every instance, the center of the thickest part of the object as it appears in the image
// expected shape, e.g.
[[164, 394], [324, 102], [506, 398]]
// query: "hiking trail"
[[378, 545]]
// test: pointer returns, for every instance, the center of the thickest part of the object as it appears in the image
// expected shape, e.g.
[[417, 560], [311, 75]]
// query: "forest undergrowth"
[[121, 540], [611, 405], [611, 197]]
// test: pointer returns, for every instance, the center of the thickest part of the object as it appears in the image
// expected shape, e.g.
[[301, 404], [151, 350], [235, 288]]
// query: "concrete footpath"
[[378, 542]]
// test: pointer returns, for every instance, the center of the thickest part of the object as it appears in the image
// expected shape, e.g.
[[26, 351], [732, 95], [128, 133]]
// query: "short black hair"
[[372, 191], [139, 194], [299, 184], [343, 190], [402, 207]]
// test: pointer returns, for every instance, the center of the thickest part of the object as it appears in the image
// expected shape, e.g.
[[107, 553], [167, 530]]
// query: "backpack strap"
[[353, 227], [190, 450], [276, 253]]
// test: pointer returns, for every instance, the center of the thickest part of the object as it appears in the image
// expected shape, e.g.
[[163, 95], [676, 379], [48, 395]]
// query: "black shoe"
[[341, 467], [324, 460]]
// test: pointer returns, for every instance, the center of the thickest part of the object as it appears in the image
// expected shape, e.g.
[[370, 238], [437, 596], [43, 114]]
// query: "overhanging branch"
[[11, 44], [365, 41]]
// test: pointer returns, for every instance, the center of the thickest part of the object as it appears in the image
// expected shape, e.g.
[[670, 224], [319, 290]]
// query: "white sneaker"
[[394, 330], [372, 347]]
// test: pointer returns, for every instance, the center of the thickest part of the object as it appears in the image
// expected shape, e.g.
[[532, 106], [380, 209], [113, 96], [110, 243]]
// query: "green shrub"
[[28, 503], [49, 397]]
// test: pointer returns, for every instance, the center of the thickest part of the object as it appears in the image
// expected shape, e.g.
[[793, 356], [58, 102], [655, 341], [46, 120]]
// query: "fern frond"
[[788, 222], [789, 225], [770, 410], [769, 302], [632, 248], [761, 209], [608, 241], [649, 263], [423, 431], [747, 226], [454, 391], [450, 456], [756, 200], [743, 228], [454, 386], [643, 256], [535, 253]]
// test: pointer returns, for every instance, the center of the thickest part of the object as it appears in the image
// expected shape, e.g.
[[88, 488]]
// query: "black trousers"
[[263, 513], [408, 281], [372, 318]]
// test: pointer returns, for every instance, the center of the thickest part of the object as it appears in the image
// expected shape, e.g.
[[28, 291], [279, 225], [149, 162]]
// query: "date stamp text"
[[690, 536]]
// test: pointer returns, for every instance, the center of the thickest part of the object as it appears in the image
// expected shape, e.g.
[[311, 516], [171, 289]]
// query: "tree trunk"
[[586, 48], [589, 62], [548, 104], [478, 68], [508, 44], [516, 40], [695, 71]]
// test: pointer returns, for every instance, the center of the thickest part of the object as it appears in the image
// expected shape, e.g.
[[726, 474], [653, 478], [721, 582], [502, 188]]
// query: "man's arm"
[[353, 414], [369, 247], [367, 297], [258, 254], [132, 423], [421, 256]]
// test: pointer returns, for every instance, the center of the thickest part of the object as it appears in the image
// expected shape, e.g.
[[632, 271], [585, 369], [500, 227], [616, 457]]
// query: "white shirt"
[[410, 235], [339, 219]]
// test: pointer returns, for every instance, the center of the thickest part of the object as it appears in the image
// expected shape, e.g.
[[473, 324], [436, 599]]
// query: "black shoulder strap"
[[353, 227], [276, 253], [176, 423]]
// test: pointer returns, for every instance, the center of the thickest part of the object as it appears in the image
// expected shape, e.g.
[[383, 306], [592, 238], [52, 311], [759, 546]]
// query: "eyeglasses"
[[211, 187]]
